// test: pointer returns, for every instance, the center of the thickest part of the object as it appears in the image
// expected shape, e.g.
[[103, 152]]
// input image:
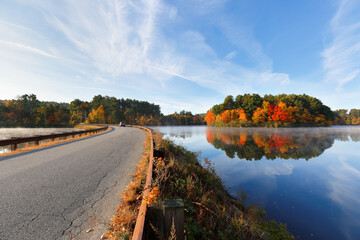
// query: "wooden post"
[[13, 146], [174, 215], [37, 142], [154, 223]]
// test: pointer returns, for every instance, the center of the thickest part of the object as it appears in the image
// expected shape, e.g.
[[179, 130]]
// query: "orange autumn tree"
[[226, 116], [259, 116], [210, 117], [292, 112], [242, 115]]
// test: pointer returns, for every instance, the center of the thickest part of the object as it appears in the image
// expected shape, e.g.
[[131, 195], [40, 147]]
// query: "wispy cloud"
[[118, 37], [230, 55], [341, 58], [145, 45], [345, 191], [27, 48], [125, 37], [13, 25]]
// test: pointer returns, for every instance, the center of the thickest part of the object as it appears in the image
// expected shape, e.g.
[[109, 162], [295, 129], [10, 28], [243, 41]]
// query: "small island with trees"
[[252, 110]]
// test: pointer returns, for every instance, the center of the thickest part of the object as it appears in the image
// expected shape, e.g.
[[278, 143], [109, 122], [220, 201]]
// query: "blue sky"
[[180, 54]]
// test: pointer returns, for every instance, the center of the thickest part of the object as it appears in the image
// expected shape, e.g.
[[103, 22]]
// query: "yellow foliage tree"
[[97, 116], [259, 116], [234, 115]]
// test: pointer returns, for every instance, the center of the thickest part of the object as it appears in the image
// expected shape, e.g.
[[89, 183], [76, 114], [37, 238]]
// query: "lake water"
[[7, 133], [308, 178]]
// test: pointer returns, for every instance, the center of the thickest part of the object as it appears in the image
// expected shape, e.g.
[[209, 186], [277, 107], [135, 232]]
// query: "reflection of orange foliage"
[[259, 140], [210, 135], [269, 143], [243, 139], [262, 142], [279, 143], [225, 138]]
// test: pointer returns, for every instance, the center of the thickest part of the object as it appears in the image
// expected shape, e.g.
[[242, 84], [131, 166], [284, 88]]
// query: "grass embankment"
[[46, 143], [210, 211], [87, 127], [123, 223]]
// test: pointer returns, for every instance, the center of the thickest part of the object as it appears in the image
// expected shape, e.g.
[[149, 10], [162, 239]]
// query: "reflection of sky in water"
[[318, 198]]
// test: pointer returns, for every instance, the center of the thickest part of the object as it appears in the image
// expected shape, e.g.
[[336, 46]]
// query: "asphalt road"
[[60, 192]]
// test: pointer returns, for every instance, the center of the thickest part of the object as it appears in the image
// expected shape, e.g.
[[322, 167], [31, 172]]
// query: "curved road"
[[60, 192]]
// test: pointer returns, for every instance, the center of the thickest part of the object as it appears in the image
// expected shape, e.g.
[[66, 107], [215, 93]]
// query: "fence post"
[[174, 214], [37, 141], [13, 146], [154, 223]]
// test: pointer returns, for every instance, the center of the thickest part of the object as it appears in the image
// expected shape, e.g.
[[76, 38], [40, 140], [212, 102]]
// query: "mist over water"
[[7, 133], [308, 178]]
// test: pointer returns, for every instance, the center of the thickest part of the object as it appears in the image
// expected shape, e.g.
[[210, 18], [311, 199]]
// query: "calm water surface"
[[308, 178], [7, 133]]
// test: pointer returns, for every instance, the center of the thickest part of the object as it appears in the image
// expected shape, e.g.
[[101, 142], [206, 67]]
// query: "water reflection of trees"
[[254, 144]]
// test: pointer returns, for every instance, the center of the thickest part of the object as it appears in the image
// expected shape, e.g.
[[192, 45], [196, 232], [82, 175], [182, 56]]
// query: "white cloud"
[[281, 78], [345, 191], [128, 44], [341, 58], [13, 25], [127, 38], [230, 55], [27, 48]]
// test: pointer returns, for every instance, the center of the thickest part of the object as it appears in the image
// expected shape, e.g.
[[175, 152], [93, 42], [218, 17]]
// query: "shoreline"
[[210, 211]]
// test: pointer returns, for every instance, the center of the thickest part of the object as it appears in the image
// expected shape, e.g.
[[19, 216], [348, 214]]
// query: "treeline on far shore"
[[277, 111], [28, 111], [244, 111], [346, 117]]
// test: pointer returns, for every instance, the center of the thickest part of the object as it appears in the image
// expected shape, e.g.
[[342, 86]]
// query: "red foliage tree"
[[277, 114]]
